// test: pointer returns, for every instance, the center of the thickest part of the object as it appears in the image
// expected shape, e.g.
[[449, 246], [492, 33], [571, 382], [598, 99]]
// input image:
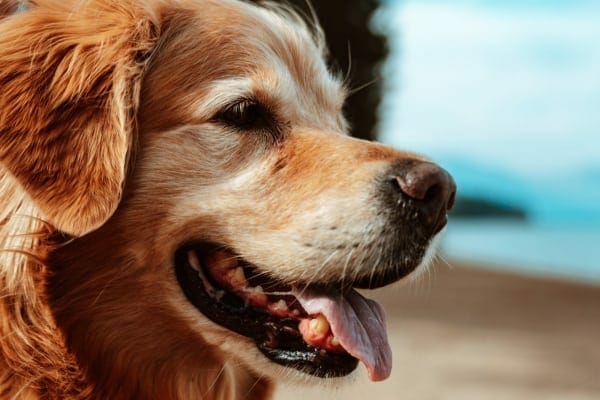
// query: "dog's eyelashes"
[[248, 115]]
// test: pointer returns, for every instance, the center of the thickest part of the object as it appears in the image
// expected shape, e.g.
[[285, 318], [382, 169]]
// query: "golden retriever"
[[182, 213]]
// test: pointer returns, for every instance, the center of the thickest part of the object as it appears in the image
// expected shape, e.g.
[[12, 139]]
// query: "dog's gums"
[[219, 285], [319, 331]]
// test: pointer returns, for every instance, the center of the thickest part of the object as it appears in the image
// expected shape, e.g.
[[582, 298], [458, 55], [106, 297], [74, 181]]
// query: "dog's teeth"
[[193, 260], [335, 341], [237, 277], [281, 305], [257, 296], [319, 325], [258, 290]]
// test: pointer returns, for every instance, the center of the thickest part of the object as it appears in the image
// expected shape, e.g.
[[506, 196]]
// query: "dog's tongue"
[[359, 325]]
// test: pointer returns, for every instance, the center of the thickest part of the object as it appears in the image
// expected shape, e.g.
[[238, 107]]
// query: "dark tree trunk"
[[346, 26]]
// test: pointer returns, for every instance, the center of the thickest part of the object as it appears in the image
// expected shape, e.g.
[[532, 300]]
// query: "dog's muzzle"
[[414, 198], [324, 328]]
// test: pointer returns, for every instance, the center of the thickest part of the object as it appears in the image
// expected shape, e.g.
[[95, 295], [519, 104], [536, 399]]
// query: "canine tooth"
[[237, 277], [335, 341], [257, 290], [257, 296], [281, 305], [319, 325], [193, 260]]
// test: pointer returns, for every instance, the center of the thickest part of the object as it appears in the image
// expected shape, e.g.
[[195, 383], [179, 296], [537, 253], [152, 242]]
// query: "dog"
[[182, 212]]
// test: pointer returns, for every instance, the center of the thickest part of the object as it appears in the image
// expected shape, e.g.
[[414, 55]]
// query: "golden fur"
[[110, 159]]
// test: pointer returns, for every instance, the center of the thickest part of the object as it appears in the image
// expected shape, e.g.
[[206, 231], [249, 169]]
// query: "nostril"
[[431, 193], [423, 182], [451, 201], [395, 181]]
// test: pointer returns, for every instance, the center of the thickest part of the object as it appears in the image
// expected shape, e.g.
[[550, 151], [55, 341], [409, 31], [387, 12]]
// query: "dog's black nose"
[[428, 187]]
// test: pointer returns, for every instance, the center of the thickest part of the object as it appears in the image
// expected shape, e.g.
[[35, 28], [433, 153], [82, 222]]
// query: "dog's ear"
[[70, 78]]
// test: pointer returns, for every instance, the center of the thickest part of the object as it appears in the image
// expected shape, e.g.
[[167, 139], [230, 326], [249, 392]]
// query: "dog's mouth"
[[315, 330]]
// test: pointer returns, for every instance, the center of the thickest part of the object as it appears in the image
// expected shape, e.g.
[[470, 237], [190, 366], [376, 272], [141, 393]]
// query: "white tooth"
[[319, 325], [237, 277], [258, 295], [193, 260], [257, 290], [281, 305], [335, 341]]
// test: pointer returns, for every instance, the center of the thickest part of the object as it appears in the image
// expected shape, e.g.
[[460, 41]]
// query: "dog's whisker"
[[375, 267], [345, 269], [275, 293], [359, 88], [445, 261], [349, 70]]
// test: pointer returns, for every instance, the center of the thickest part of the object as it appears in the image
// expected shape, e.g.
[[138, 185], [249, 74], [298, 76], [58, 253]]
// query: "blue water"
[[505, 94], [552, 251], [561, 198]]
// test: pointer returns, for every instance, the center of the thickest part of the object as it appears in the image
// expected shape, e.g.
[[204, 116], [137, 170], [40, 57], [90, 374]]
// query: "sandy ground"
[[467, 334]]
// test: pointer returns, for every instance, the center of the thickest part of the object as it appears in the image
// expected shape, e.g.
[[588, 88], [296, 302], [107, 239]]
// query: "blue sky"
[[506, 94]]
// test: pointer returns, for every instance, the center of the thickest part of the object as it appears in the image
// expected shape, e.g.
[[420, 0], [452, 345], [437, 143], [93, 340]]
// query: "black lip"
[[382, 279], [278, 339]]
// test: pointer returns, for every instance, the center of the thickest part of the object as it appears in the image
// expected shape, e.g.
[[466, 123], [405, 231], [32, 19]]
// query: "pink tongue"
[[359, 325]]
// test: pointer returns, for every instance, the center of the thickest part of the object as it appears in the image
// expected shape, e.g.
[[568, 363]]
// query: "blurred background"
[[505, 94]]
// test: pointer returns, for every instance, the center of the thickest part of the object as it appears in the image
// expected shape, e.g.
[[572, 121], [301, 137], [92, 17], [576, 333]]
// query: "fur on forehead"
[[228, 50]]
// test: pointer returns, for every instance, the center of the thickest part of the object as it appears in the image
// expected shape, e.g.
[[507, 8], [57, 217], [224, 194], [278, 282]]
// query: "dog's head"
[[197, 152]]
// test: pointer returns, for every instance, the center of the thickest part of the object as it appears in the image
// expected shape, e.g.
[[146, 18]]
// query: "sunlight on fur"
[[182, 211]]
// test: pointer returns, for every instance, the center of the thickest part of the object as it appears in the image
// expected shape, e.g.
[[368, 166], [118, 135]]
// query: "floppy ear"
[[69, 87]]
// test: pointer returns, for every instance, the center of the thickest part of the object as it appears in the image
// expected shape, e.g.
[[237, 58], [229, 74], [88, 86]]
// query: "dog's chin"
[[316, 330], [428, 259]]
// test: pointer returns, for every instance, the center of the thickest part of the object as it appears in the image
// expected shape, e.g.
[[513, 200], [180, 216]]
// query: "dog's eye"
[[247, 115]]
